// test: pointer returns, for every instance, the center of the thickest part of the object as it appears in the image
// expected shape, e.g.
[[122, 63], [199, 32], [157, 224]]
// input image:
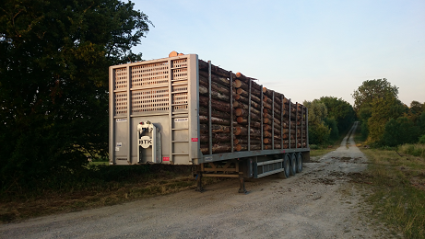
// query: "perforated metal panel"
[[149, 74], [120, 103], [155, 100], [121, 79]]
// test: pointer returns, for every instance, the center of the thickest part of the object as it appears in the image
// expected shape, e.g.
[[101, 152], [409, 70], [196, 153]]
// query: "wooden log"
[[217, 148], [244, 98], [240, 84], [243, 92], [269, 111], [268, 134], [214, 94], [269, 94], [245, 79], [215, 86], [215, 104], [244, 147], [216, 138], [214, 113], [244, 112], [245, 141], [173, 54], [276, 146], [214, 120], [276, 141], [203, 66], [239, 130], [203, 76], [215, 128], [244, 120], [239, 105]]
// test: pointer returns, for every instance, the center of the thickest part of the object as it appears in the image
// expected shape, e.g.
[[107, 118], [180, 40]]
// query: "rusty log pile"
[[262, 118]]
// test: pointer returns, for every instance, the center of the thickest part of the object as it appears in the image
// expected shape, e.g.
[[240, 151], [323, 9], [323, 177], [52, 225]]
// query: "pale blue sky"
[[303, 49]]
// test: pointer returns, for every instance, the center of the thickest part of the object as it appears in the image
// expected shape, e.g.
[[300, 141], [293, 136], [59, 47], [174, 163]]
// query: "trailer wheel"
[[299, 163], [286, 167], [293, 165]]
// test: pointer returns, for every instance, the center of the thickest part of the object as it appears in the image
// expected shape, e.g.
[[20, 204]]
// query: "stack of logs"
[[275, 114]]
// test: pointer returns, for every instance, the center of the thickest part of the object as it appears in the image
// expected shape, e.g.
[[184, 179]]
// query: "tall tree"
[[54, 74], [340, 110], [372, 89], [383, 109]]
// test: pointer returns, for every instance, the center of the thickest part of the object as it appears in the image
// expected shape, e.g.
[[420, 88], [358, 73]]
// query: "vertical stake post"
[[290, 125], [281, 121], [296, 125], [249, 115], [261, 117], [273, 120], [231, 113], [209, 108]]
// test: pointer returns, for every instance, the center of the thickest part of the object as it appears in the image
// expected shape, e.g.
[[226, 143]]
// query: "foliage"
[[371, 90], [413, 149], [318, 133], [383, 109], [332, 125], [317, 111], [54, 77], [399, 131], [422, 139], [341, 111]]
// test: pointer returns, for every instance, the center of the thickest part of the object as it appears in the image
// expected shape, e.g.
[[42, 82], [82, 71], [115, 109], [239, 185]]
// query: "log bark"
[[245, 141], [215, 104], [214, 86], [214, 94], [215, 128], [276, 141], [216, 138], [239, 130], [214, 120], [203, 76], [244, 147], [216, 148], [214, 113], [203, 66], [239, 105], [244, 120]]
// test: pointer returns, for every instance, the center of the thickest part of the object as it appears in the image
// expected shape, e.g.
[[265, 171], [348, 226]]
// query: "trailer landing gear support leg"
[[199, 187], [242, 184]]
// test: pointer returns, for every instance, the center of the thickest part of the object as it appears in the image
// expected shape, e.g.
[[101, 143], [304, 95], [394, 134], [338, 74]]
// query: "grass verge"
[[124, 188], [398, 185]]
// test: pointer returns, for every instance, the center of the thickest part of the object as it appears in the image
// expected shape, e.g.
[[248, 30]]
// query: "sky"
[[303, 49]]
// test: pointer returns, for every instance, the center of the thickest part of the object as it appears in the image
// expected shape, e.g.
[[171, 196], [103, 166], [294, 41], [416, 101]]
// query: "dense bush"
[[399, 131], [422, 139]]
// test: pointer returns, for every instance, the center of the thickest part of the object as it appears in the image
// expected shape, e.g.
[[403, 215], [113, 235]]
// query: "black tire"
[[299, 163], [286, 167], [293, 165]]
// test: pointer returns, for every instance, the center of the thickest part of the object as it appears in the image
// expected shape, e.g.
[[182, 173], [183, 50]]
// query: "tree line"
[[328, 118], [385, 120]]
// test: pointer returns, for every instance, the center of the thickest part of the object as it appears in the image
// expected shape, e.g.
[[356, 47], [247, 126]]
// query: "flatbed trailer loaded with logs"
[[184, 111]]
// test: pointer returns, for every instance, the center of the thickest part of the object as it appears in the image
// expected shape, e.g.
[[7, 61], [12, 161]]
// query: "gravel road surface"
[[320, 202]]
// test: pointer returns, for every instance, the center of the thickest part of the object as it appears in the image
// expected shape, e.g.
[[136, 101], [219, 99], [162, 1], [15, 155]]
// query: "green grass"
[[398, 186]]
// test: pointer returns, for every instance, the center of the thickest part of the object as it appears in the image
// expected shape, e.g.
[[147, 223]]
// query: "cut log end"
[[173, 54]]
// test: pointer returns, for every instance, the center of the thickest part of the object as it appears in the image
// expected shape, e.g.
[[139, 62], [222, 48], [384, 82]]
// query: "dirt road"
[[317, 203]]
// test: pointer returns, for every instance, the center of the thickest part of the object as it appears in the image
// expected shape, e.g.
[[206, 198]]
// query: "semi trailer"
[[182, 110]]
